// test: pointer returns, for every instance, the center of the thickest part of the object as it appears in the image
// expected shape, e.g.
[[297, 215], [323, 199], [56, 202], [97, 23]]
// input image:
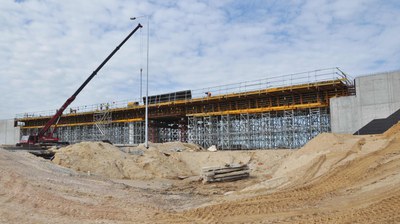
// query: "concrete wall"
[[377, 96], [9, 135]]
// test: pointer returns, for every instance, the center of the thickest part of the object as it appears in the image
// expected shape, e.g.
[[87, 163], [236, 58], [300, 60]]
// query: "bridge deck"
[[310, 95]]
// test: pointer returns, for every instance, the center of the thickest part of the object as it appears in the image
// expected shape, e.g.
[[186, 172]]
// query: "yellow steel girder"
[[260, 110], [86, 123]]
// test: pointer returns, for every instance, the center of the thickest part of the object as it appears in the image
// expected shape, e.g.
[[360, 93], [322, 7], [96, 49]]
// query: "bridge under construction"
[[278, 112]]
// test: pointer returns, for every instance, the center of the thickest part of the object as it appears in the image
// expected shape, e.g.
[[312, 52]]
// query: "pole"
[[146, 144], [141, 91], [146, 130]]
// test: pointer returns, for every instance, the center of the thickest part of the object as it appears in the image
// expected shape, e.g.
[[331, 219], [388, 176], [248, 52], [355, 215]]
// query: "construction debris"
[[229, 172], [212, 148]]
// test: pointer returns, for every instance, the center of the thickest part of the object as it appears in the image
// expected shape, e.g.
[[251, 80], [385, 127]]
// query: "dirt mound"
[[316, 158], [97, 158], [168, 147], [35, 190], [319, 155], [394, 130], [166, 160], [332, 179], [109, 161]]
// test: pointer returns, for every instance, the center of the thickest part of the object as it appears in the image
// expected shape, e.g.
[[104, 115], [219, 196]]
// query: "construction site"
[[255, 152], [310, 147]]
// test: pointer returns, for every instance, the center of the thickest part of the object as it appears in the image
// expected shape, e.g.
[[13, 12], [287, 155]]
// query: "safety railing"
[[331, 74], [82, 109]]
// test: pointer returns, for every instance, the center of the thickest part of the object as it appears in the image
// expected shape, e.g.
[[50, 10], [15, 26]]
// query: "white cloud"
[[48, 48]]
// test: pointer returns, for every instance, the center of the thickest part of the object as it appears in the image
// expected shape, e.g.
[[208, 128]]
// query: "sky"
[[48, 47]]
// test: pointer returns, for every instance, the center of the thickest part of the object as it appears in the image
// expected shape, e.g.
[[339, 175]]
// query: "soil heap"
[[335, 178], [109, 161], [171, 160]]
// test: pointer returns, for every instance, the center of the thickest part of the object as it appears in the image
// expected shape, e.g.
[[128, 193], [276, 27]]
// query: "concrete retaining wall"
[[9, 135], [377, 96]]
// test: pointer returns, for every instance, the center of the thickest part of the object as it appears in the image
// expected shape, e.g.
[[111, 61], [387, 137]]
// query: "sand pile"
[[323, 154], [109, 161], [99, 158], [333, 179], [167, 147], [317, 157], [161, 160], [35, 190], [393, 131], [261, 162], [96, 158], [320, 155]]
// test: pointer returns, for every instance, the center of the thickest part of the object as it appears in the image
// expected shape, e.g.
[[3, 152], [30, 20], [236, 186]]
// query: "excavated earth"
[[333, 179]]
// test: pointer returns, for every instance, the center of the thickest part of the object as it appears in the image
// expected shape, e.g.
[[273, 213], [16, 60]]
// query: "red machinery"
[[45, 135]]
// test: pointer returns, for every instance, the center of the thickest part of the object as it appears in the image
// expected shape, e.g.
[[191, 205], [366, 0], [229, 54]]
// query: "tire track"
[[302, 198]]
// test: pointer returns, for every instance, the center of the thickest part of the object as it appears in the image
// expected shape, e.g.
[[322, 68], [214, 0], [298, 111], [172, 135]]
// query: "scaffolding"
[[131, 133], [168, 131], [268, 130], [287, 129], [102, 121], [281, 129], [168, 134]]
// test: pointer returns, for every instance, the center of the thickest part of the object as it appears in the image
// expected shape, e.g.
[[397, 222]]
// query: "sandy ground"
[[333, 179]]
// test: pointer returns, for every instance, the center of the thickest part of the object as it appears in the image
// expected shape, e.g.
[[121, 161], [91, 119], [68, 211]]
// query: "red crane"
[[45, 135]]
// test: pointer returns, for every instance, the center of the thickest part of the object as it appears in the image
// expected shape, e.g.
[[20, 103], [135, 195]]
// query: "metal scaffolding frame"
[[101, 129], [281, 129], [118, 133], [168, 134], [278, 129], [135, 132], [169, 131]]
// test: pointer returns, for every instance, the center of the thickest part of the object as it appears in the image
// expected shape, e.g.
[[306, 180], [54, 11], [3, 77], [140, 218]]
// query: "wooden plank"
[[212, 173], [238, 177], [226, 173], [230, 170], [215, 173], [232, 174], [229, 178], [236, 166]]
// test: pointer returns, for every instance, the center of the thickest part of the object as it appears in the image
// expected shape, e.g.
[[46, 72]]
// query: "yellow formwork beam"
[[260, 110], [86, 123]]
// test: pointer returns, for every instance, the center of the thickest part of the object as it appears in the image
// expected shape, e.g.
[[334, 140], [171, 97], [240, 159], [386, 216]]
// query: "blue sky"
[[48, 48]]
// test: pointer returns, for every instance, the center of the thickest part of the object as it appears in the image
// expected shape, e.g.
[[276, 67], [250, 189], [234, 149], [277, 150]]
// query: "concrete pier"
[[377, 97], [9, 135]]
